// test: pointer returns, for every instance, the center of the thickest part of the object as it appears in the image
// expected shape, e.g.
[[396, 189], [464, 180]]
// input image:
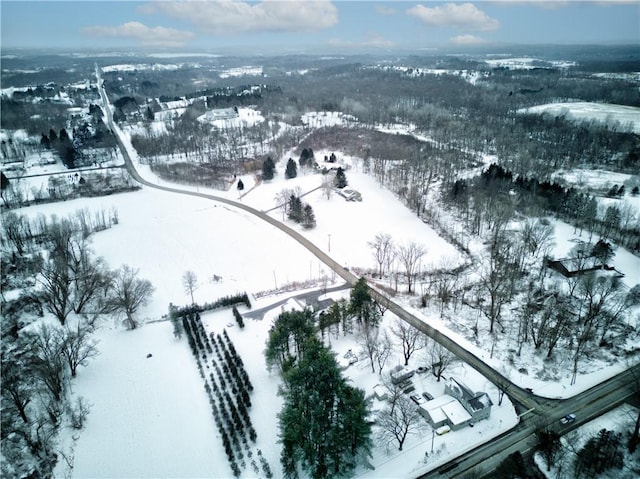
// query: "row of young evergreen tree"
[[228, 389]]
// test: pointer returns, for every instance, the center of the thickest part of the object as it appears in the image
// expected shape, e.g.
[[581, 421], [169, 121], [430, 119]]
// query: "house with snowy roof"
[[445, 410], [477, 404], [221, 114]]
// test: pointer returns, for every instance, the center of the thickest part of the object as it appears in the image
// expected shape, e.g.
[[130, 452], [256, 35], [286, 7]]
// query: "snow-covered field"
[[527, 63], [626, 118], [150, 416]]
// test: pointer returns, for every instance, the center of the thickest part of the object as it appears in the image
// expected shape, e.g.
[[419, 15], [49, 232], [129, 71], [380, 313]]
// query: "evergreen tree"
[[240, 185], [549, 446], [296, 212], [306, 157], [292, 169], [287, 338], [268, 169], [599, 454], [603, 251], [323, 421], [340, 180], [362, 305], [611, 220], [308, 218]]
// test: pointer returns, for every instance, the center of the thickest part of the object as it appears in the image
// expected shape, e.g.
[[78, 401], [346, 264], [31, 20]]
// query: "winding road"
[[544, 413]]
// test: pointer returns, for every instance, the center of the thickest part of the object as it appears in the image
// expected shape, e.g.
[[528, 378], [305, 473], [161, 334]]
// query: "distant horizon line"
[[310, 49]]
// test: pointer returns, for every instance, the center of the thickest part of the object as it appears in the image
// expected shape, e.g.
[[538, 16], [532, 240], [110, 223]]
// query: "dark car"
[[405, 384], [427, 396]]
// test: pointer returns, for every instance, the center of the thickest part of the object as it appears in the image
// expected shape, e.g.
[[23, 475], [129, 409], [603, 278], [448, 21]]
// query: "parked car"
[[421, 370], [416, 398], [568, 419], [409, 389], [405, 384], [427, 396], [443, 430]]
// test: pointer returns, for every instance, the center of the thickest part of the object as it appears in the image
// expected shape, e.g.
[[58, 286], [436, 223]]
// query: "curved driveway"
[[547, 411]]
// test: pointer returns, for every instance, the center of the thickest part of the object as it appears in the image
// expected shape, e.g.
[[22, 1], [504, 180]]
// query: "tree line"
[[40, 358]]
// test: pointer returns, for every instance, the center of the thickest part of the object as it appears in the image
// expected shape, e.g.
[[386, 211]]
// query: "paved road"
[[310, 298], [587, 406], [545, 411]]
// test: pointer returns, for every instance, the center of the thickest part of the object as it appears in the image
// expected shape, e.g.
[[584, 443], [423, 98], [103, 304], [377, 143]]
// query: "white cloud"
[[460, 15], [144, 35], [382, 10], [467, 40], [233, 16]]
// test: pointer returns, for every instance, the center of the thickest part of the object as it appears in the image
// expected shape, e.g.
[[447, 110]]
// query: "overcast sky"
[[295, 25]]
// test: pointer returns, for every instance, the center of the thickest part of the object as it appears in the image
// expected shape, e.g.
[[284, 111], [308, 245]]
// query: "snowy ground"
[[150, 416], [620, 420], [152, 412], [627, 118]]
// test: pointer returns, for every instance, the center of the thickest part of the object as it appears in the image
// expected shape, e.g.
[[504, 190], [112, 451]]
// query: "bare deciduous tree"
[[128, 293], [367, 338], [382, 247], [410, 338], [537, 237], [15, 231], [439, 357], [383, 350], [283, 196], [16, 385], [496, 279], [327, 186], [56, 284], [48, 361], [91, 279], [410, 255], [78, 347], [397, 423], [190, 283]]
